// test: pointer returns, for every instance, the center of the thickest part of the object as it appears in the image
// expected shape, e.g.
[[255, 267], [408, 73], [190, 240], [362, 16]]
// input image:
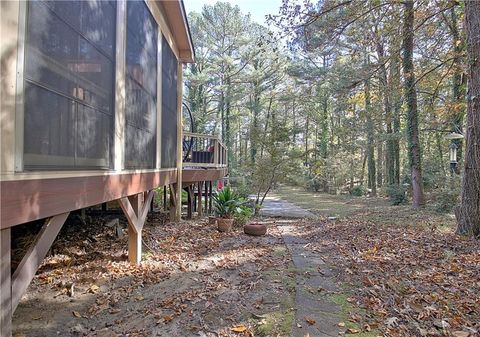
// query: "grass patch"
[[375, 209], [347, 309], [277, 323]]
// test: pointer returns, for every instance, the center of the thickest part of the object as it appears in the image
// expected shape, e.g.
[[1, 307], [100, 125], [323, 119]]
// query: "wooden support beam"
[[189, 202], [165, 206], [5, 284], [210, 201], [200, 210], [27, 268], [136, 210], [173, 202], [206, 198]]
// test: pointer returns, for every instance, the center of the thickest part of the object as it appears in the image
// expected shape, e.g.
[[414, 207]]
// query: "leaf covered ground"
[[407, 278]]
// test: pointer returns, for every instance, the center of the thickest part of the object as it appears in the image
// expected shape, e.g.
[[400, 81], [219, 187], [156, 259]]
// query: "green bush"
[[243, 190], [312, 183], [359, 190], [447, 198], [227, 203], [397, 194], [243, 214]]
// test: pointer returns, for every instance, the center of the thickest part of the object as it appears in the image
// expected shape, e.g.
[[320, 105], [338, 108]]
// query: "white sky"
[[257, 8]]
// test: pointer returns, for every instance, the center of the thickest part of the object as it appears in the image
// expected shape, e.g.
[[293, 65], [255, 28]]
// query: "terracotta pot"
[[212, 220], [224, 224], [256, 229]]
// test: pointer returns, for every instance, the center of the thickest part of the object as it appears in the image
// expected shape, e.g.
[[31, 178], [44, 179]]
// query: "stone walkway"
[[314, 278], [275, 207]]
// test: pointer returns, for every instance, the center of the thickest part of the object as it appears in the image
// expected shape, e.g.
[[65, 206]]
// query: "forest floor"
[[375, 270]]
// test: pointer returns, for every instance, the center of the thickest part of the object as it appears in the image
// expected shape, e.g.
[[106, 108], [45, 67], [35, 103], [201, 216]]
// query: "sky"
[[257, 8]]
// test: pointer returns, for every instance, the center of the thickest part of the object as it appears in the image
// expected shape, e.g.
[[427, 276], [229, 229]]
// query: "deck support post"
[[199, 207], [190, 201], [5, 284], [206, 198], [173, 203], [210, 201], [136, 210]]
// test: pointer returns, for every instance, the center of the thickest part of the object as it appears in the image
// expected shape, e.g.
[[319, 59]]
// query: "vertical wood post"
[[206, 198], [135, 209], [165, 206], [199, 208], [178, 214], [5, 284], [173, 202], [210, 199], [189, 202], [216, 151], [134, 232], [120, 61]]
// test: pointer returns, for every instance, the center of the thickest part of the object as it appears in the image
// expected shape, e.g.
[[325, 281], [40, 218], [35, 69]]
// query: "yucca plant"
[[226, 203]]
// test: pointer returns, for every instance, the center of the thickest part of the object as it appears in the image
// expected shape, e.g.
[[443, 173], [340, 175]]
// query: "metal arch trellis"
[[188, 122]]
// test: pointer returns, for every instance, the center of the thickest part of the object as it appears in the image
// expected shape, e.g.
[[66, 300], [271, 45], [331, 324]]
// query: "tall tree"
[[468, 214], [414, 150]]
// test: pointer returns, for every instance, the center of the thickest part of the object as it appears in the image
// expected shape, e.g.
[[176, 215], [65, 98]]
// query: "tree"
[[414, 151], [468, 214]]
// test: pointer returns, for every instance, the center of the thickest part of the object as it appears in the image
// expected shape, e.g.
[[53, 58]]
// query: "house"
[[91, 112]]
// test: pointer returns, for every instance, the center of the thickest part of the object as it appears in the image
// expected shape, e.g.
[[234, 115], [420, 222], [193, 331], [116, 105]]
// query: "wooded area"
[[359, 97]]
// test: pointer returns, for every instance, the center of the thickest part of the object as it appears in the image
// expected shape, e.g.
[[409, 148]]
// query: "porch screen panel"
[[169, 106], [69, 84], [141, 87]]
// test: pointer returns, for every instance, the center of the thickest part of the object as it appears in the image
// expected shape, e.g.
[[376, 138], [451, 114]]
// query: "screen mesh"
[[169, 106], [69, 84]]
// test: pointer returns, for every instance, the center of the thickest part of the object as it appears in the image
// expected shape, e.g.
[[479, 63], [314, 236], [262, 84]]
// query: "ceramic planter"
[[224, 224], [256, 229]]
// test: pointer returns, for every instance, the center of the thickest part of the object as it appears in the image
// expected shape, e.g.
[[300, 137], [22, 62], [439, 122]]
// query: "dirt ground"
[[193, 281], [373, 271]]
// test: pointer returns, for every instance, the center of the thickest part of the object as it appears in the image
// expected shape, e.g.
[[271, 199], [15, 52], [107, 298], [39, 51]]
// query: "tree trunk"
[[414, 151], [387, 110], [397, 106], [468, 214], [372, 181]]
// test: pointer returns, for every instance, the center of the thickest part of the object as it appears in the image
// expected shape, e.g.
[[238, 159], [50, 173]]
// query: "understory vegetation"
[[348, 97]]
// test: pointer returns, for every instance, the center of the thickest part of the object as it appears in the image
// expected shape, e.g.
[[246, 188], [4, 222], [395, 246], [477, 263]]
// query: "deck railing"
[[201, 150]]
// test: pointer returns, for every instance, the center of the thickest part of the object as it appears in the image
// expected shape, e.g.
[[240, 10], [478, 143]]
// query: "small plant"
[[447, 198], [312, 183], [359, 191], [226, 203], [397, 194], [242, 214]]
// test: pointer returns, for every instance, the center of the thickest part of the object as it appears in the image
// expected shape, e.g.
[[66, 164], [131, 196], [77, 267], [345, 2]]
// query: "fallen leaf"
[[310, 321], [167, 318], [76, 314], [93, 289], [239, 328], [352, 331], [341, 324], [460, 334]]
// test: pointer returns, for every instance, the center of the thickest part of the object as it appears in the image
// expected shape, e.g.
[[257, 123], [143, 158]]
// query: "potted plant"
[[226, 205]]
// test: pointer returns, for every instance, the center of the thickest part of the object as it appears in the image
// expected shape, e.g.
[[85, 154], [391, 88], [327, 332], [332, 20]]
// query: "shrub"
[[313, 183], [242, 215], [243, 191], [397, 194], [227, 202], [358, 190], [447, 198]]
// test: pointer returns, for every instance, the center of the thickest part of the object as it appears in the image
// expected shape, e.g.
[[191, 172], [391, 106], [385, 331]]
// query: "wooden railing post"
[[215, 151]]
